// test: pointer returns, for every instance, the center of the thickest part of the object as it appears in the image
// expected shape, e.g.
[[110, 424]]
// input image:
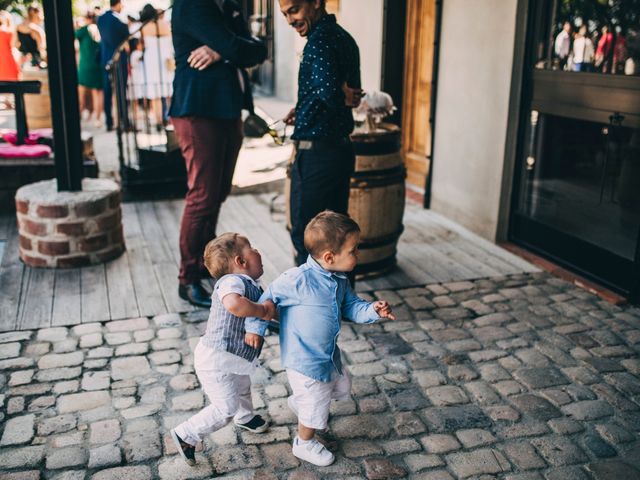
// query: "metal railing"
[[141, 74]]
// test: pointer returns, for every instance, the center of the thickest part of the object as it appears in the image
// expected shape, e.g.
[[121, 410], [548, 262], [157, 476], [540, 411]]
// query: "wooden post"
[[63, 84]]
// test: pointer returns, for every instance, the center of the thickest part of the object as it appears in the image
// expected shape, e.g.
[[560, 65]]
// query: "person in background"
[[328, 88], [158, 61], [89, 72], [113, 31], [583, 52], [562, 44], [9, 70], [604, 52], [620, 52], [208, 98], [32, 38]]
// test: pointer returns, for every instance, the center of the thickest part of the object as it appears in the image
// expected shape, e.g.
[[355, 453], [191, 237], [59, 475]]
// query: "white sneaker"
[[292, 405], [312, 451]]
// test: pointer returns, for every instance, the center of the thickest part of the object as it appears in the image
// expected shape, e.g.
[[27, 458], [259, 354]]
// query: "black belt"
[[321, 143]]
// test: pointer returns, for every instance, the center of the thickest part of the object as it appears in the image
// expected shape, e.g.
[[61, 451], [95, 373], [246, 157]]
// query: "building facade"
[[520, 118]]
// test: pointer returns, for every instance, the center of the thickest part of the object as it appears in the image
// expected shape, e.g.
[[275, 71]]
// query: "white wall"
[[361, 18], [474, 79]]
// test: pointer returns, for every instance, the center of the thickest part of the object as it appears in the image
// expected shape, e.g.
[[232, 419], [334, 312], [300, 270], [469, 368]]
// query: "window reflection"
[[601, 36], [582, 178]]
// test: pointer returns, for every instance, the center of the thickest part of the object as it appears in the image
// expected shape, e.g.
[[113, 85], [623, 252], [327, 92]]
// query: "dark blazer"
[[214, 92], [112, 33]]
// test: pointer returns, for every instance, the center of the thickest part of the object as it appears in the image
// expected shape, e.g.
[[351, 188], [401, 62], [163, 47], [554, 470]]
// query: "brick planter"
[[69, 229]]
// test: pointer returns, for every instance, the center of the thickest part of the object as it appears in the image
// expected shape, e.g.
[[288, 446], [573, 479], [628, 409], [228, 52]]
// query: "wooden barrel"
[[377, 198], [38, 106]]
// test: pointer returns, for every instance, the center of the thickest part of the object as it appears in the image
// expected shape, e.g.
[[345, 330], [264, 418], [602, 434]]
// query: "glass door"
[[577, 185]]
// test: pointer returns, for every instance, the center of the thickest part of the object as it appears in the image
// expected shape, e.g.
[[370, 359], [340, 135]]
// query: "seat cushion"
[[34, 136], [24, 151]]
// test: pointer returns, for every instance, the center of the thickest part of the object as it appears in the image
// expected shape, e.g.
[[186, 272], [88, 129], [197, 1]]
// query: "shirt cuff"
[[371, 314], [255, 325]]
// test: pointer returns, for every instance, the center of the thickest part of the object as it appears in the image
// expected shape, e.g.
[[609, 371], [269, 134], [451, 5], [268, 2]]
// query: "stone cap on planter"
[[69, 229]]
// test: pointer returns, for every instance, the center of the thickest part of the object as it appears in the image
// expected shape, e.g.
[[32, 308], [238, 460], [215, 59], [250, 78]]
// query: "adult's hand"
[[203, 57], [290, 119], [352, 96]]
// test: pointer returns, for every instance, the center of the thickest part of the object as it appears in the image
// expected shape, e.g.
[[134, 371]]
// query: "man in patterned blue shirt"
[[328, 88]]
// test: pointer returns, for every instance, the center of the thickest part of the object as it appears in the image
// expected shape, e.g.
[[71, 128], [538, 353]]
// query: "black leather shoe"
[[195, 294]]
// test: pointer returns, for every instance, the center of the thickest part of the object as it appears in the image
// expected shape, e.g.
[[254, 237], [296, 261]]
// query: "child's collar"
[[313, 263]]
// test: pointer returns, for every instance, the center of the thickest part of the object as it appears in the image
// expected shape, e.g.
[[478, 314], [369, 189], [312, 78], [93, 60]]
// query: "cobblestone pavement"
[[525, 377]]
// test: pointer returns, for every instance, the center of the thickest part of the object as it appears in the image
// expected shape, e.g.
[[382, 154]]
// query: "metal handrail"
[[116, 55], [147, 155]]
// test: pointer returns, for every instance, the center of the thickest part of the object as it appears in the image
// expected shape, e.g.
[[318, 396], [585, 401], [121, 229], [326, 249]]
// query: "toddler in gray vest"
[[226, 355]]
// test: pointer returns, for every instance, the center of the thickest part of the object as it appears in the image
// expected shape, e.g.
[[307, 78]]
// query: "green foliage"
[[17, 6], [20, 6]]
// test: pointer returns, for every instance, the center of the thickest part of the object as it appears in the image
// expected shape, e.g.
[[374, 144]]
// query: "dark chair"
[[19, 89], [16, 172]]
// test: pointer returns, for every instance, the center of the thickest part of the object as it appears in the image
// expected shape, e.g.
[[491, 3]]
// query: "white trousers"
[[230, 397], [313, 398]]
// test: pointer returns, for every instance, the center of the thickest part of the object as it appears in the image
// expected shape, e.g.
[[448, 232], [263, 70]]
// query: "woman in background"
[[9, 70], [89, 70], [32, 38], [158, 61], [583, 52]]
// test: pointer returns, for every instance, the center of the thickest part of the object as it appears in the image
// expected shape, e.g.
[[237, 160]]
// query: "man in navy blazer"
[[210, 89], [113, 31]]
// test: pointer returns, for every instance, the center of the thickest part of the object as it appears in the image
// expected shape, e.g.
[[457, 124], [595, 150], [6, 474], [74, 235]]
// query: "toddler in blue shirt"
[[312, 299]]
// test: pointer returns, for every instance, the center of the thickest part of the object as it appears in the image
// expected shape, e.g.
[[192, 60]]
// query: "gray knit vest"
[[225, 332]]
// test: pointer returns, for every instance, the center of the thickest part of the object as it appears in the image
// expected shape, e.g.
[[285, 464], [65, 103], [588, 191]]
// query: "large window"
[[577, 185]]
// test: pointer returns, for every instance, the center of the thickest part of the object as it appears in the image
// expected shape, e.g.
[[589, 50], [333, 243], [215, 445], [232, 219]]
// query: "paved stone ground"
[[524, 377]]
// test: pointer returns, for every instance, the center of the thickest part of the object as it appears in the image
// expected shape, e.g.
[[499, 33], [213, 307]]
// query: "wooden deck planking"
[[477, 241], [38, 305], [161, 255], [441, 267], [67, 298], [95, 294], [260, 218], [468, 251], [11, 280], [234, 219], [145, 286], [122, 299], [170, 228], [143, 281]]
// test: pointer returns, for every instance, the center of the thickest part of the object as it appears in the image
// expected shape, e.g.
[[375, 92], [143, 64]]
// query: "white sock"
[[300, 441]]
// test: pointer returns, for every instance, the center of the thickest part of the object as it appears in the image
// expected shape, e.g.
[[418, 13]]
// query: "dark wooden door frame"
[[392, 82]]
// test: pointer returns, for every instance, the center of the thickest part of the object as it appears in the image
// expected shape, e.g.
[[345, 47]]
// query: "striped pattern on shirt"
[[225, 331]]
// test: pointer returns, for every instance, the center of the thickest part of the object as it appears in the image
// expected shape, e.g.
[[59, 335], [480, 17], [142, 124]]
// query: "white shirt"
[[583, 50], [563, 41]]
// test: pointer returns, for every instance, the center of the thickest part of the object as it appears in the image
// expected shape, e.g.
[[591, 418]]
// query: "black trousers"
[[319, 181]]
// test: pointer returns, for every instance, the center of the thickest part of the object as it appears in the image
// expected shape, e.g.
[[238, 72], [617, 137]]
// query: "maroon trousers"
[[210, 148]]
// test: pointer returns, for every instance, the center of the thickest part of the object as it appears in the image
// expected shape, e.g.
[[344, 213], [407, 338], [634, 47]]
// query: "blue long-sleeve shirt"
[[329, 59], [311, 302]]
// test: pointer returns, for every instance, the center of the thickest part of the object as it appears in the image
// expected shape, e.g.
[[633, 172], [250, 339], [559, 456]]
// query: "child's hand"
[[269, 310], [383, 309], [253, 340]]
